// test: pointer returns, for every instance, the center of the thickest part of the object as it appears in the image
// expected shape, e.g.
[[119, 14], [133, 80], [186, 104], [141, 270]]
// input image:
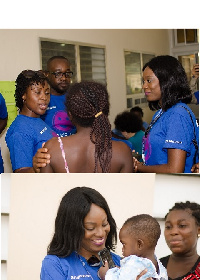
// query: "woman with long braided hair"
[[91, 149]]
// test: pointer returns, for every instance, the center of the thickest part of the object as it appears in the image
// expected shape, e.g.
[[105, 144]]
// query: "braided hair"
[[192, 206], [88, 103], [23, 81]]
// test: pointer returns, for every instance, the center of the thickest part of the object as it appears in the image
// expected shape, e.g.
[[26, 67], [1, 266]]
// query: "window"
[[188, 61], [186, 36], [133, 70], [87, 62], [185, 47], [92, 64]]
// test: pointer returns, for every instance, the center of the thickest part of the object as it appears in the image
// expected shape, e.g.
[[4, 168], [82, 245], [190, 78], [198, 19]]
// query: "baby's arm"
[[103, 271]]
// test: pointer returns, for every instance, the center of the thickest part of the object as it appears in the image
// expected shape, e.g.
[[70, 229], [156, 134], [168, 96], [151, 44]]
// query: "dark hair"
[[129, 122], [88, 104], [192, 206], [54, 58], [69, 227], [25, 79], [137, 109], [172, 79], [144, 226]]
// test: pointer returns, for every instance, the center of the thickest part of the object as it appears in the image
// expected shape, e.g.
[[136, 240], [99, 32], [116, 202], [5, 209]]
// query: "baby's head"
[[139, 235]]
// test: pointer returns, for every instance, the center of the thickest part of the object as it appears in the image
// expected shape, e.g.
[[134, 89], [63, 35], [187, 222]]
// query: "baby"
[[139, 236]]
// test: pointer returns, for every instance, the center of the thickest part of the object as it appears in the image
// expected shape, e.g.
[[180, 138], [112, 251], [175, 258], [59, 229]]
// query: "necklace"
[[84, 265], [147, 132], [153, 122]]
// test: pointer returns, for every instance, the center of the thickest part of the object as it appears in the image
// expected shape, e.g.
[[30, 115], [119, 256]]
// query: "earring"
[[198, 235]]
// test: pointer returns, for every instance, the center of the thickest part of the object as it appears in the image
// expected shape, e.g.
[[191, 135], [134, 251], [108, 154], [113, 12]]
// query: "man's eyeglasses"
[[59, 75]]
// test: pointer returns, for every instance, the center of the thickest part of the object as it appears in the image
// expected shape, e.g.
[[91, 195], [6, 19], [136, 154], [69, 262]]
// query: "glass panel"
[[180, 36], [143, 100], [187, 61], [187, 36], [146, 58], [92, 64], [137, 101], [50, 49], [129, 102], [133, 72], [191, 35]]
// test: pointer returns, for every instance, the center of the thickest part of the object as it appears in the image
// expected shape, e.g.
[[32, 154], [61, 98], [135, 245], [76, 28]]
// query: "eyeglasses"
[[60, 74], [29, 74]]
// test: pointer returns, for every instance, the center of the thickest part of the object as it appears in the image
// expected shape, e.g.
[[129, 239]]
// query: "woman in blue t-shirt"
[[27, 132], [169, 143], [83, 226]]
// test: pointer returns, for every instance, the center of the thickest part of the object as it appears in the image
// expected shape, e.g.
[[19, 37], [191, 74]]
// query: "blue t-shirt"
[[173, 130], [3, 108], [24, 137], [117, 132], [127, 142], [196, 94], [71, 267], [3, 115], [145, 125], [57, 118]]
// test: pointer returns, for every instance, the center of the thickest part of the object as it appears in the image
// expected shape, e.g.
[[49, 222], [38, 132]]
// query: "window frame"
[[136, 97], [77, 53], [182, 49], [185, 42]]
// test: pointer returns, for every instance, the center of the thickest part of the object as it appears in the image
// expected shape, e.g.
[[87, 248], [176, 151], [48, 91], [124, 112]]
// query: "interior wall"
[[20, 50], [34, 202]]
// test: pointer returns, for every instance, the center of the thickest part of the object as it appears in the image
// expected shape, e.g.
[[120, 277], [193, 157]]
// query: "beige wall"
[[34, 203], [20, 49]]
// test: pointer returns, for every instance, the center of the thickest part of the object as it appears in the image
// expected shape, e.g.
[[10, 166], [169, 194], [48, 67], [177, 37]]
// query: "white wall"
[[20, 49]]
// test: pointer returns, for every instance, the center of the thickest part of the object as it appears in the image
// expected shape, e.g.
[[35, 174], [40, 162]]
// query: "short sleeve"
[[21, 147], [3, 108], [177, 126], [52, 269]]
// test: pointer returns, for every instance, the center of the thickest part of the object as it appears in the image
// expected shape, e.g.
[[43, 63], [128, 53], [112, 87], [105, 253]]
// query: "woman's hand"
[[142, 273], [195, 71], [102, 271], [41, 159], [195, 168], [136, 164]]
